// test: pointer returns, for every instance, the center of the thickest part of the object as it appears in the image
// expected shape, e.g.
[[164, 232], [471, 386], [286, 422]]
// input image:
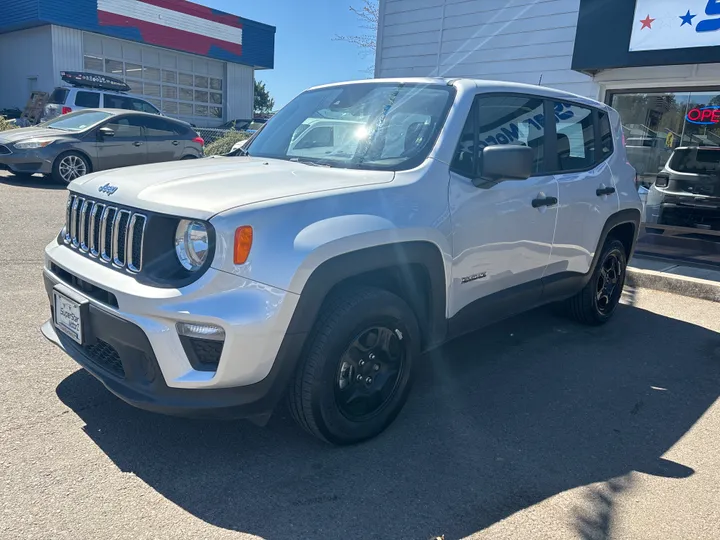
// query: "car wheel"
[[356, 373], [69, 166], [597, 301]]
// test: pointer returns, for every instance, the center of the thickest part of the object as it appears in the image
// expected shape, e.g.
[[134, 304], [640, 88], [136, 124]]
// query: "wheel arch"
[[414, 270], [88, 158]]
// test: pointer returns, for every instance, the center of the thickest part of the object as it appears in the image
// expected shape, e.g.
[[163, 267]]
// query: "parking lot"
[[534, 428]]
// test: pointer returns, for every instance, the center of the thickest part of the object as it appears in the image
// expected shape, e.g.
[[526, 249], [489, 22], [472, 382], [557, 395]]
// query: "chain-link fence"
[[220, 141]]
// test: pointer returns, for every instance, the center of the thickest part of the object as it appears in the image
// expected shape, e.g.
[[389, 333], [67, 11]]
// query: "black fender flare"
[[397, 256]]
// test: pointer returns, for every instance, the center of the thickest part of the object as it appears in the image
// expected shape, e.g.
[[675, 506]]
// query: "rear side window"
[[157, 127], [87, 99], [606, 139], [575, 137], [58, 96]]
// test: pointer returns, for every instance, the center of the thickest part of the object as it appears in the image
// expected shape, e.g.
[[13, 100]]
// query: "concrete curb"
[[685, 286]]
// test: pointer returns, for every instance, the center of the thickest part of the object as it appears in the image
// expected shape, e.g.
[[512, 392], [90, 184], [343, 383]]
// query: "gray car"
[[96, 139]]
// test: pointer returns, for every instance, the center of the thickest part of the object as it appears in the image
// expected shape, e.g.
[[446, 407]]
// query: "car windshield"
[[696, 161], [77, 121], [386, 126]]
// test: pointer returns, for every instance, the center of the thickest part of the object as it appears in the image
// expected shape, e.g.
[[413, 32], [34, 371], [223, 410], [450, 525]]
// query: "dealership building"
[[191, 61], [656, 61]]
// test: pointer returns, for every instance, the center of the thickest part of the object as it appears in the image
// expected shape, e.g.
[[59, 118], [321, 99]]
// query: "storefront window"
[[673, 141]]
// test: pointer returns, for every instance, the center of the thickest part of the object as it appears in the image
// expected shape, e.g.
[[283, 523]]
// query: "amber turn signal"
[[243, 243]]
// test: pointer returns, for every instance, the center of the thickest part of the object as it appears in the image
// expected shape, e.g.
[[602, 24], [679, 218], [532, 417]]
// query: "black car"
[[90, 140]]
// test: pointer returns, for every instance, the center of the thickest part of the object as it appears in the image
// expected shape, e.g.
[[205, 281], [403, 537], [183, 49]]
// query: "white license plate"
[[67, 317]]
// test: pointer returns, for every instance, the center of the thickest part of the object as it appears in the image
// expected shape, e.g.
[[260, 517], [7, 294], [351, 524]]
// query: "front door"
[[126, 147], [502, 233]]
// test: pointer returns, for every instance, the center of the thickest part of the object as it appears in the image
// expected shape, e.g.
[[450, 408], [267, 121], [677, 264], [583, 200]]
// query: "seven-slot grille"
[[105, 232]]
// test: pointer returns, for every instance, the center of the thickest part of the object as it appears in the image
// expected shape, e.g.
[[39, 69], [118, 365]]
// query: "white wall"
[[240, 91], [24, 55], [67, 51], [511, 40]]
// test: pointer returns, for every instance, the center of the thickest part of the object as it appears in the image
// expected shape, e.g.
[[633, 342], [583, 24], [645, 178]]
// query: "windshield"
[[696, 161], [387, 126], [77, 121]]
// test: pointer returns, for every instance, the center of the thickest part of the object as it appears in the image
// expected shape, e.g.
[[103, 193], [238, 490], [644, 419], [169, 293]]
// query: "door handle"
[[137, 143], [544, 201], [175, 143], [604, 191]]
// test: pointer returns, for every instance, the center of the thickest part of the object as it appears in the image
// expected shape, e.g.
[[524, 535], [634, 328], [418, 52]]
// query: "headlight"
[[33, 143], [191, 244]]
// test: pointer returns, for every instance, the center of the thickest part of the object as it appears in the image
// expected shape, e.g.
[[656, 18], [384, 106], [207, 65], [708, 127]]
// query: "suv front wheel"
[[597, 301], [355, 376]]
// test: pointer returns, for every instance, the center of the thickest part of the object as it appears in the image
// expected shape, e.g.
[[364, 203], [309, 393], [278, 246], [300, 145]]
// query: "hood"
[[15, 135], [201, 188]]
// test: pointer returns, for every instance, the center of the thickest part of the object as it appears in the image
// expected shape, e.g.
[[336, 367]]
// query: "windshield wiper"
[[309, 162]]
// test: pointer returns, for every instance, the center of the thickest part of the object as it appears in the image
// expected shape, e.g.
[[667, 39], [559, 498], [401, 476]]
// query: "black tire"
[[313, 394], [187, 157], [592, 305], [58, 171]]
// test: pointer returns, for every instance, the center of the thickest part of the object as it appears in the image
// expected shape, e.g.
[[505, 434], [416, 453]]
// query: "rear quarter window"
[[58, 96]]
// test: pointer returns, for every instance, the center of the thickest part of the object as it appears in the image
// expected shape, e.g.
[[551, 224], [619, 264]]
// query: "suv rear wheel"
[[356, 374], [597, 301]]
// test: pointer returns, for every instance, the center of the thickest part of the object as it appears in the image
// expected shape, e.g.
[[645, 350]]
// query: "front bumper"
[[141, 357], [26, 161]]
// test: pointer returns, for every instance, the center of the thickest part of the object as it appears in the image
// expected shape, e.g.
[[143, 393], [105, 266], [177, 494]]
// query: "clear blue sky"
[[305, 53]]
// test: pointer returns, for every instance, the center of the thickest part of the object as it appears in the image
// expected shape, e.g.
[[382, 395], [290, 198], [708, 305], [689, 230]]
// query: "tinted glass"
[[376, 125], [77, 121], [696, 161], [126, 126], [88, 99], [465, 157], [58, 96], [157, 127], [147, 107], [606, 139], [575, 137], [117, 102], [320, 137], [512, 119]]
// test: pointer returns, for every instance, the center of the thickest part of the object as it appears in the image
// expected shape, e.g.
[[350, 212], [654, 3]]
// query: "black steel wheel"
[[356, 373], [597, 301], [369, 372]]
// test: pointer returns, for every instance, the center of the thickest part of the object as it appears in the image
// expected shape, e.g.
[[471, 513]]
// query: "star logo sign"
[[647, 23], [687, 18]]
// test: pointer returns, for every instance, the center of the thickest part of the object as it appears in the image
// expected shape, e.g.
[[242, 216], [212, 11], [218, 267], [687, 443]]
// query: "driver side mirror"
[[105, 132], [505, 162]]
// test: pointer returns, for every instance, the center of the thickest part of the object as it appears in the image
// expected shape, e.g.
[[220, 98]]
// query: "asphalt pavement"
[[533, 428]]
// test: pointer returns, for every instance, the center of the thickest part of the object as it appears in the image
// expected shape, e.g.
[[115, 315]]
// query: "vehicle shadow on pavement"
[[39, 182], [498, 421]]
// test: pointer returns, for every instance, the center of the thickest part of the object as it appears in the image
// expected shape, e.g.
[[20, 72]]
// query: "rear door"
[[579, 160], [163, 140], [127, 147]]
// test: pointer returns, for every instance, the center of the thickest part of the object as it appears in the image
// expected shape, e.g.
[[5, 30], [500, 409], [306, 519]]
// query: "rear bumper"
[[141, 384]]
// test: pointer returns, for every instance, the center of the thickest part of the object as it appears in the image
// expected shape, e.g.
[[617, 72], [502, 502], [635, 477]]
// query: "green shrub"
[[5, 124], [224, 144]]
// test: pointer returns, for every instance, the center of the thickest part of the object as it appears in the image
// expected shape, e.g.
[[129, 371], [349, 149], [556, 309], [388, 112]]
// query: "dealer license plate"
[[67, 317]]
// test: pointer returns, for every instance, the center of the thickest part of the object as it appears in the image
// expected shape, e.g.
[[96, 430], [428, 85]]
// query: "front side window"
[[386, 126], [575, 137], [126, 126], [501, 119]]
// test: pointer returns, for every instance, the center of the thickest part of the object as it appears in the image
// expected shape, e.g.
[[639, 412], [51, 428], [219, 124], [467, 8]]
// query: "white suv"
[[67, 99], [321, 271]]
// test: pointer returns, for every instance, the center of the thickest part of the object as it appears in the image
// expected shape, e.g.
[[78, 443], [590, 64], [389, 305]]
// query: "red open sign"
[[704, 115]]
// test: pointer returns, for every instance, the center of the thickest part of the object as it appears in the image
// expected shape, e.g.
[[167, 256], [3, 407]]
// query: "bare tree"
[[368, 14]]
